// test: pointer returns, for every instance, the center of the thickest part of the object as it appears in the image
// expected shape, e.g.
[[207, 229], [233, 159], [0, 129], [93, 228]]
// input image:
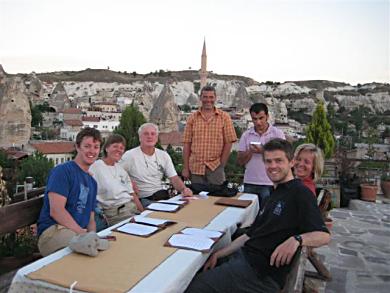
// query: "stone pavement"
[[358, 255]]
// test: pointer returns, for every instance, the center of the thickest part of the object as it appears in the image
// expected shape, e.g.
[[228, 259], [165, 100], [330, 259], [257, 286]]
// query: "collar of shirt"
[[216, 112], [289, 184], [253, 130]]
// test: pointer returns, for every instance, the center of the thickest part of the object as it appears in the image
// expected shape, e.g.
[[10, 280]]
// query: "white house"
[[56, 151]]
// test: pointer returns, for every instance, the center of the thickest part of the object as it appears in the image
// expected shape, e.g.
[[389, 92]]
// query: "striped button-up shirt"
[[207, 138]]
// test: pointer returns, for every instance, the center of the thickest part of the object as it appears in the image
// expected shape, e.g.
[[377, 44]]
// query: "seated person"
[[116, 198], [70, 196], [309, 164], [148, 167], [261, 258]]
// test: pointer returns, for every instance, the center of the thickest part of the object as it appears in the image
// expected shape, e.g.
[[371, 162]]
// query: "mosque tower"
[[203, 68]]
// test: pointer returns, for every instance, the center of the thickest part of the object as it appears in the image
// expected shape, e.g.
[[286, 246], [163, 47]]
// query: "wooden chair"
[[295, 279]]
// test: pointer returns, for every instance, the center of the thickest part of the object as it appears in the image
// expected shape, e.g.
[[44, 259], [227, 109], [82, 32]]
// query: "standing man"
[[148, 167], [208, 139], [250, 152], [260, 260], [70, 196]]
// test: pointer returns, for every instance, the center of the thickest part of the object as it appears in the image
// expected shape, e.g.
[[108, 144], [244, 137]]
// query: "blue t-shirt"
[[79, 188]]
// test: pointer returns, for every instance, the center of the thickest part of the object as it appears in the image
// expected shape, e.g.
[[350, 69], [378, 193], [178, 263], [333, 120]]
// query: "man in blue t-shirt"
[[259, 260], [70, 196]]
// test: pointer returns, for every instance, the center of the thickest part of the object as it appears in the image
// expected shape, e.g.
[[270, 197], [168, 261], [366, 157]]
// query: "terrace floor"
[[358, 256]]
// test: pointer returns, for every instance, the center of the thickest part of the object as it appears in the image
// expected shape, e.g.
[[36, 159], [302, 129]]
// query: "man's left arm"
[[229, 137], [92, 224], [284, 253], [227, 147]]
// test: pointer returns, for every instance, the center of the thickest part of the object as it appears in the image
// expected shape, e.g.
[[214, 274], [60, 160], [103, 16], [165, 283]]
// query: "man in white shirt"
[[148, 167]]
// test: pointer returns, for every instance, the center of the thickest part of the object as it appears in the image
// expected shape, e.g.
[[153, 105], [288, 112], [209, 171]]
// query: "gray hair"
[[145, 125]]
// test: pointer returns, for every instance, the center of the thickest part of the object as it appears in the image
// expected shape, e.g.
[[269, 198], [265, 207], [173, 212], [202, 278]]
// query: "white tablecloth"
[[172, 275]]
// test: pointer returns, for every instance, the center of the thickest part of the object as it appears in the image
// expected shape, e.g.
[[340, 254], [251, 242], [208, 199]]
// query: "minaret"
[[203, 68]]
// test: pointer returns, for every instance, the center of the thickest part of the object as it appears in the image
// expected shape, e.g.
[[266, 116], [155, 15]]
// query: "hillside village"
[[69, 101]]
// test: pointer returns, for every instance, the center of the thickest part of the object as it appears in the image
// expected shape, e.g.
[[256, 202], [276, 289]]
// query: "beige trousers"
[[54, 238], [117, 214]]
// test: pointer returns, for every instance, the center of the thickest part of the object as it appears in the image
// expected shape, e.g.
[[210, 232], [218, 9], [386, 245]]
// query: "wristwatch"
[[299, 239]]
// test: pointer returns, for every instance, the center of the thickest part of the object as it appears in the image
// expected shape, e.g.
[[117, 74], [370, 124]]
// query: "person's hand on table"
[[211, 262], [186, 192]]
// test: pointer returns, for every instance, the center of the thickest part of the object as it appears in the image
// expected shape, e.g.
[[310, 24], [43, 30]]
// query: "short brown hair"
[[88, 131], [279, 144], [114, 138]]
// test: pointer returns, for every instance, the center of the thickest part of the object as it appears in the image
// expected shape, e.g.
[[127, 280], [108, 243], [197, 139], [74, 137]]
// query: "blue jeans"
[[233, 275], [262, 191]]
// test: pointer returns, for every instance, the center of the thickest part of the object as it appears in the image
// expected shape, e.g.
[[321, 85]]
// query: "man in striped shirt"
[[208, 139]]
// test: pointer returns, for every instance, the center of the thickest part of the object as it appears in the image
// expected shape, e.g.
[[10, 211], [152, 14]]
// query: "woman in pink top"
[[309, 164]]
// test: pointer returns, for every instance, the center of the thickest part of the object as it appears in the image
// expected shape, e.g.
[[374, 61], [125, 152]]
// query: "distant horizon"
[[280, 40], [128, 72]]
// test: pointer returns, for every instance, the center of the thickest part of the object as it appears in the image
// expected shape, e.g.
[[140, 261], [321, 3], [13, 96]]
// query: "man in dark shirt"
[[260, 260]]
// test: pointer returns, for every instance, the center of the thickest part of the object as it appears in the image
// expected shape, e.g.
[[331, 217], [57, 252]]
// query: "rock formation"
[[59, 99], [165, 112], [241, 99], [192, 100], [15, 113]]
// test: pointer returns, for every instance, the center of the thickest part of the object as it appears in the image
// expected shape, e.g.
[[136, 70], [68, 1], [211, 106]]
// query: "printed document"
[[162, 207], [150, 221], [191, 242], [137, 229], [201, 232]]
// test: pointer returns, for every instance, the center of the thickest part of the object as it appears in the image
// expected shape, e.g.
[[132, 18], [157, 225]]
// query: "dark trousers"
[[234, 275]]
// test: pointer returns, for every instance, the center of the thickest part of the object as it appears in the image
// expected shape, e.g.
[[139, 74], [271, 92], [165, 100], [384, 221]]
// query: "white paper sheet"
[[201, 232], [177, 202], [162, 207], [203, 194], [150, 221], [247, 196], [190, 241], [137, 229]]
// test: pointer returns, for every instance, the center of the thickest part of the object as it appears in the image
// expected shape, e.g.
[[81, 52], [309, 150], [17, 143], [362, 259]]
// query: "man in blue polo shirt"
[[259, 260], [70, 196]]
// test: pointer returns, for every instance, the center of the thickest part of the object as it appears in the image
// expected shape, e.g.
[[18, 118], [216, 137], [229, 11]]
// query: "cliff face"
[[15, 113]]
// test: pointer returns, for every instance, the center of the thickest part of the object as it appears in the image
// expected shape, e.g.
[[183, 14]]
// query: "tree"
[[129, 123], [186, 108], [177, 158], [36, 166], [238, 130], [36, 116], [319, 131], [331, 114], [5, 162], [234, 172]]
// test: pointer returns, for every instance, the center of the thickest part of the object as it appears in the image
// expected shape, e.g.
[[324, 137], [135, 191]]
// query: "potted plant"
[[385, 184], [368, 191]]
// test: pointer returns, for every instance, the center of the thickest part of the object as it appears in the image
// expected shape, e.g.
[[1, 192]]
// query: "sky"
[[267, 40]]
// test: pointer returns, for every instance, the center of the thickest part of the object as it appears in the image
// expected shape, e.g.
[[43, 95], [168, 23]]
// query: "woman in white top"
[[116, 197]]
